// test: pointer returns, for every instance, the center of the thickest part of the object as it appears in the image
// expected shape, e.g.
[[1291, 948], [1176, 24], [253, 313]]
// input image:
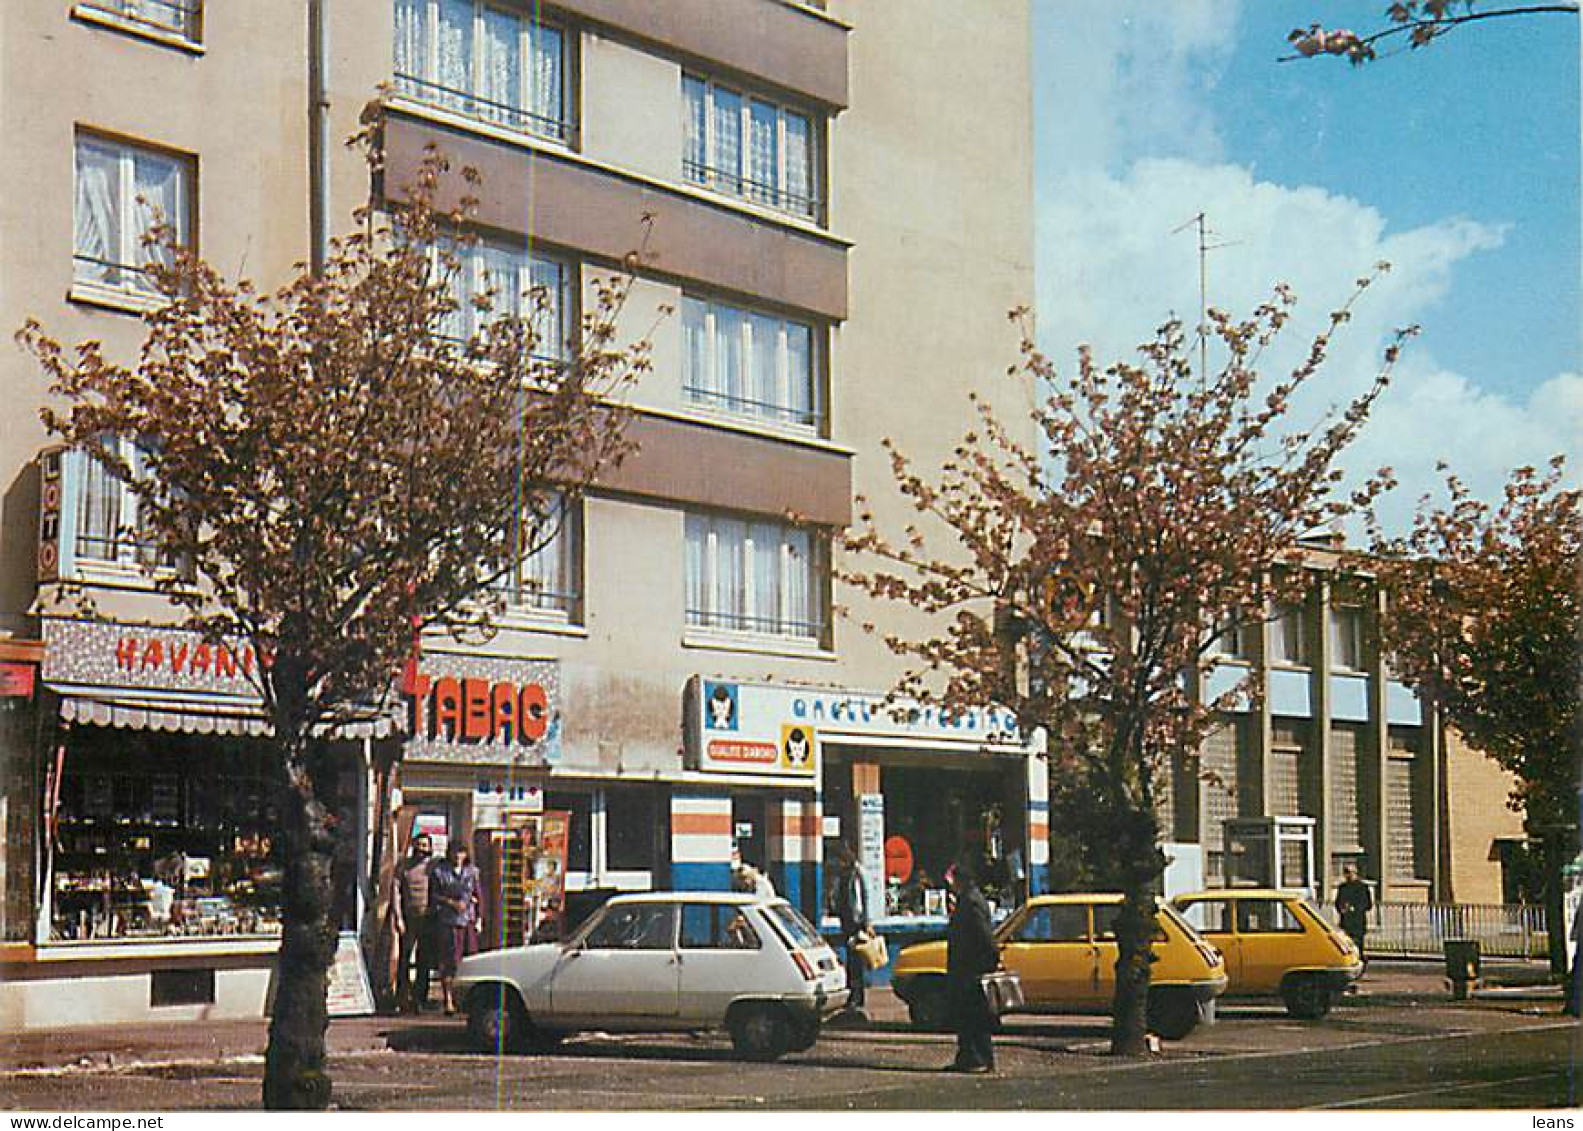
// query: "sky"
[[1458, 164]]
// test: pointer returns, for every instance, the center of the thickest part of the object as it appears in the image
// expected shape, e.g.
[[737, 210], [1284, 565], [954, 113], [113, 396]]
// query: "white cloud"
[[1141, 156]]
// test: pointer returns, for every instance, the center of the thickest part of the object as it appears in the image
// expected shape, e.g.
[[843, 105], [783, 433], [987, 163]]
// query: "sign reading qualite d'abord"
[[749, 730]]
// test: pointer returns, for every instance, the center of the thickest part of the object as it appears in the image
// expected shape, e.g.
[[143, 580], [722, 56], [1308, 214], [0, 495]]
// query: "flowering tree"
[[1485, 622], [1080, 581], [1415, 23], [336, 470]]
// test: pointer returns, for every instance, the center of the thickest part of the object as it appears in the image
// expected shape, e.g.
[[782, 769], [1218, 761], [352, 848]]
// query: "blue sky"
[[1459, 163]]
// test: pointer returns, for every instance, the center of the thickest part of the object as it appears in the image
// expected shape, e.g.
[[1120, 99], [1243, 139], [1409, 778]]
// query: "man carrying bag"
[[849, 901], [970, 953]]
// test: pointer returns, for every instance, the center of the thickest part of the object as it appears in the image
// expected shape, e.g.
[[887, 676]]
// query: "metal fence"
[[1420, 929]]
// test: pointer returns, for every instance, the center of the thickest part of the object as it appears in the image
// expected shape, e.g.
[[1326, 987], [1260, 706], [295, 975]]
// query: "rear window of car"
[[716, 926], [797, 930]]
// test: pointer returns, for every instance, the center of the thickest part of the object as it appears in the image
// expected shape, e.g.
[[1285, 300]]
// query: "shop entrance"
[[750, 829]]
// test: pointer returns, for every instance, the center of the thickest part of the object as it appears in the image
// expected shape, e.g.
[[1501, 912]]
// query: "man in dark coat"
[[1353, 904], [849, 901], [970, 953]]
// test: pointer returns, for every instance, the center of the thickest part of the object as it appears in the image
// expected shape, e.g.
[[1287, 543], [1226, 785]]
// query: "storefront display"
[[159, 835]]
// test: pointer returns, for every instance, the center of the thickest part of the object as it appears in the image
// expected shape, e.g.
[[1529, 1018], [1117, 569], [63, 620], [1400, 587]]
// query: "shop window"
[[714, 926], [164, 836], [637, 926], [579, 843], [629, 830], [181, 987]]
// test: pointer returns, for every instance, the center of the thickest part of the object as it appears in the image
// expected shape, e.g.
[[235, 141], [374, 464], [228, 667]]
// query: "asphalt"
[[1513, 986]]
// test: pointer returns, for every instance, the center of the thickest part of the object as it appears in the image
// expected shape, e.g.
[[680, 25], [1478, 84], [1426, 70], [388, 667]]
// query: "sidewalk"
[[106, 1047]]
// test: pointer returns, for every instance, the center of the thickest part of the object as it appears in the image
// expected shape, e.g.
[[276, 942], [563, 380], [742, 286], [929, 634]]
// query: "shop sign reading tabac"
[[751, 728], [491, 709]]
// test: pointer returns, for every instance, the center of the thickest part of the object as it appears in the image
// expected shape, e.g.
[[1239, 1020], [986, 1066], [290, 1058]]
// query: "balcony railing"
[[483, 109], [733, 183], [809, 418], [761, 626]]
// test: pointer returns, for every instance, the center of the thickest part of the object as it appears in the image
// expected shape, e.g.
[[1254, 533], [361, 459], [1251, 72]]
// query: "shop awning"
[[188, 713]]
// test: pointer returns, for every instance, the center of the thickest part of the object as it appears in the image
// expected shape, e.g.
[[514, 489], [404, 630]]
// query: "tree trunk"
[[1141, 864], [296, 1075]]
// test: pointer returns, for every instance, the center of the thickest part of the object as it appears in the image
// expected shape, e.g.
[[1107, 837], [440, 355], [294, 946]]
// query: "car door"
[[722, 956], [1050, 952], [1267, 932], [623, 972], [1215, 920]]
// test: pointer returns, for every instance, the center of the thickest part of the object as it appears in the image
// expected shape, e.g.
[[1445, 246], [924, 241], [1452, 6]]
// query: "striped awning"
[[190, 713]]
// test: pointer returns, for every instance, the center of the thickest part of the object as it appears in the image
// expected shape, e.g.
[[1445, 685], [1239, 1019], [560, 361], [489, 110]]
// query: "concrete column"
[[796, 849]]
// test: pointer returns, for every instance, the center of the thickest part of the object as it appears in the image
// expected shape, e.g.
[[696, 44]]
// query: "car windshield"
[[795, 927]]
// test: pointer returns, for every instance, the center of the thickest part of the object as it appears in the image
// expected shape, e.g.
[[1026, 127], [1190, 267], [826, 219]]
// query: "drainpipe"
[[318, 138]]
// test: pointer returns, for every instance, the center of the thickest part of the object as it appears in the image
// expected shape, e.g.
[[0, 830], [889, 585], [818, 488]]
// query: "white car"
[[661, 962]]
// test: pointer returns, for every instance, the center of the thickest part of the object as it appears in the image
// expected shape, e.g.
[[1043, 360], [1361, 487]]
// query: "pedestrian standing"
[[1353, 904], [454, 904], [970, 953], [413, 938], [849, 901]]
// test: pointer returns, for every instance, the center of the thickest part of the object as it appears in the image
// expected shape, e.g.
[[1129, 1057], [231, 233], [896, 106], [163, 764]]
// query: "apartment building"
[[841, 197]]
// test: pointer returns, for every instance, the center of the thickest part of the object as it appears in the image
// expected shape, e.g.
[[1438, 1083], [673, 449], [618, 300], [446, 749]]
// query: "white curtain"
[[547, 81], [547, 277], [97, 239], [728, 355], [696, 373], [764, 354], [500, 67], [458, 276], [695, 130], [800, 583], [766, 577], [157, 191], [730, 593], [762, 164], [728, 139], [799, 164], [502, 271], [697, 574], [410, 40], [799, 374], [98, 511], [456, 51]]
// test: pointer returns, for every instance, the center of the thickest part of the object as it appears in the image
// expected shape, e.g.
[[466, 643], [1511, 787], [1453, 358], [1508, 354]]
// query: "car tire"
[[804, 1036], [761, 1032], [1173, 1012], [1307, 999], [496, 1020], [926, 1006]]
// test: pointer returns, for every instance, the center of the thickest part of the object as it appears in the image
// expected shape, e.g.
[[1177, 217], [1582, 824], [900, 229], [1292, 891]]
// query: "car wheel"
[[1173, 1012], [1307, 999], [495, 1018], [761, 1032], [804, 1036], [927, 1009]]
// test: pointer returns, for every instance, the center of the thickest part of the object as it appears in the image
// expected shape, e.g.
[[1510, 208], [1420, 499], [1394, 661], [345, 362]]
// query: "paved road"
[[1409, 1056]]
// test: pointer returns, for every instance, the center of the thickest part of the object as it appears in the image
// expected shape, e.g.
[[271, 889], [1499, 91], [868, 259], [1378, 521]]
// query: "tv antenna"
[[1201, 222]]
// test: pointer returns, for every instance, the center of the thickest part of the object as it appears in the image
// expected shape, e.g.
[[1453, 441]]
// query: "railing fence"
[[1421, 929]]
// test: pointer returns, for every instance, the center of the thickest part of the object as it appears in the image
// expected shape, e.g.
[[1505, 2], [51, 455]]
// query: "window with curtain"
[[750, 364], [122, 190], [749, 147], [1346, 637], [766, 578], [1289, 636], [519, 283], [178, 17], [107, 513], [547, 581], [489, 62]]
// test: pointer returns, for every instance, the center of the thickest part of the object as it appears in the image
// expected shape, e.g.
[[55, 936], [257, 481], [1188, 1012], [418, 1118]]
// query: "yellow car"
[[1276, 942], [1063, 950]]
